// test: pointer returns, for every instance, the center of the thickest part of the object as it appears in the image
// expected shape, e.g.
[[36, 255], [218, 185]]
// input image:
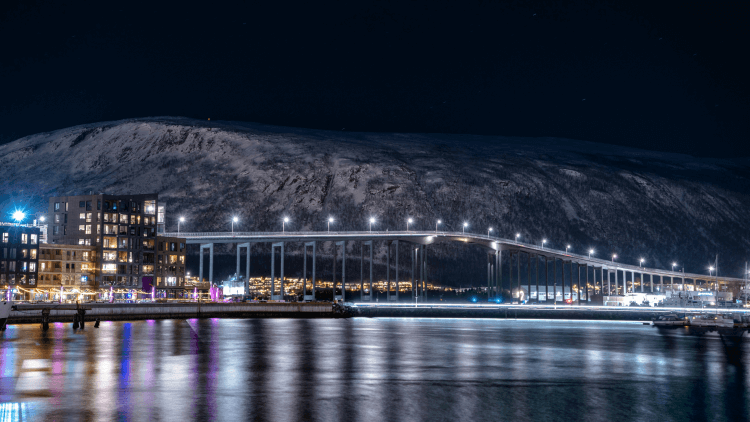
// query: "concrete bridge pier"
[[280, 296], [247, 265], [210, 247], [305, 296], [397, 279], [362, 271], [342, 296], [423, 270], [554, 280]]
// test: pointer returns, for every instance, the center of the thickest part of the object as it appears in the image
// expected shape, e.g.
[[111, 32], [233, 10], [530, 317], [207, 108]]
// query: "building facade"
[[67, 266], [19, 256], [122, 229], [170, 266]]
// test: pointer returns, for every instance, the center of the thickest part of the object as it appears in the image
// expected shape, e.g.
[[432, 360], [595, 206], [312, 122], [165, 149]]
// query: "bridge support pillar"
[[388, 272], [210, 247], [423, 271], [280, 296], [397, 279], [247, 265], [369, 297], [546, 280], [554, 280], [536, 262], [305, 296], [343, 270]]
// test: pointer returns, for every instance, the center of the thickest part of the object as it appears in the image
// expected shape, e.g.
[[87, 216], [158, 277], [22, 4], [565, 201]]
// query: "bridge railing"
[[475, 236]]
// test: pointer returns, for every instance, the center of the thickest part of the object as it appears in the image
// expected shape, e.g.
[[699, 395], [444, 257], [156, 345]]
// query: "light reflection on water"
[[371, 370]]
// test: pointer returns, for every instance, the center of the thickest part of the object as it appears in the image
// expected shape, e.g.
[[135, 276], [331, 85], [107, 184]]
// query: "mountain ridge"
[[616, 199]]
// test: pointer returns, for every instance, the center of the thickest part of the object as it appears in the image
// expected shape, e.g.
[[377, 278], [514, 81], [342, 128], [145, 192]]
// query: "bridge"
[[613, 273]]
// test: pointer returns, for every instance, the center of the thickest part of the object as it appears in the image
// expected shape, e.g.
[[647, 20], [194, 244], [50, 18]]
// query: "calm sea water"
[[371, 370]]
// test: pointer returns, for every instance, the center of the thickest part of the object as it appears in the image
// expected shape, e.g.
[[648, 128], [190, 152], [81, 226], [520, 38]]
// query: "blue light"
[[473, 299], [18, 215]]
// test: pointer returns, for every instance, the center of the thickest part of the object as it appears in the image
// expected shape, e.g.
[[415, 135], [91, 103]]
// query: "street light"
[[614, 256], [180, 220], [710, 270], [18, 215], [463, 229], [330, 220], [566, 248], [543, 242], [372, 220], [590, 252], [283, 224], [489, 231], [42, 218], [234, 220], [409, 221], [674, 264], [517, 236], [436, 224], [641, 262]]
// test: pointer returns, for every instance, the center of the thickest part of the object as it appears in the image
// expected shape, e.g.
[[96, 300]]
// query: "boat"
[[671, 320], [711, 321]]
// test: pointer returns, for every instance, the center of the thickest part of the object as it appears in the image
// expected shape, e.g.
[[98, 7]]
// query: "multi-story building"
[[67, 265], [19, 250], [122, 228], [170, 266]]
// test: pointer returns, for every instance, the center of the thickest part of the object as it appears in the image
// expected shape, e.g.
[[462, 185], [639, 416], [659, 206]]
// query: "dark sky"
[[660, 75]]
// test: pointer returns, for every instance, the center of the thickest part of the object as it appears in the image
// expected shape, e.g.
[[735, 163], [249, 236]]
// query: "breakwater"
[[33, 313], [520, 312]]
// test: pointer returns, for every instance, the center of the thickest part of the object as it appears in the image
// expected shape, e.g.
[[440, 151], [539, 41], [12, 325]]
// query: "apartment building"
[[19, 251], [122, 229], [67, 265], [170, 266]]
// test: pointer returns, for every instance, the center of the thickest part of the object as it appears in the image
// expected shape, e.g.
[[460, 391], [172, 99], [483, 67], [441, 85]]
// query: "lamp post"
[[234, 220], [640, 262], [283, 224], [543, 242], [566, 248], [330, 220], [463, 229], [372, 220], [590, 252], [180, 220], [489, 231], [517, 236], [436, 224], [18, 216], [409, 221], [614, 255], [674, 264]]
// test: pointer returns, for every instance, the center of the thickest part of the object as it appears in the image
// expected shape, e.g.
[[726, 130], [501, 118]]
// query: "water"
[[370, 370]]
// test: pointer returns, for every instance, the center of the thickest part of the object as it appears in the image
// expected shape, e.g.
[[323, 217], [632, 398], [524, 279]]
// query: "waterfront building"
[[170, 267], [19, 253], [123, 230], [66, 267]]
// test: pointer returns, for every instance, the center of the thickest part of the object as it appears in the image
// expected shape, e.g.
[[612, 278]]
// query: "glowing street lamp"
[[710, 270], [283, 224], [18, 215], [42, 219], [641, 262], [566, 248], [234, 220], [180, 220], [590, 252], [463, 229], [543, 242], [517, 236], [330, 220], [674, 264], [372, 220], [436, 224], [614, 256], [489, 231], [409, 221]]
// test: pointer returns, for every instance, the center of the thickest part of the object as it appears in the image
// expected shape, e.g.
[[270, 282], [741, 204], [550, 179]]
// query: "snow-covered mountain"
[[663, 207]]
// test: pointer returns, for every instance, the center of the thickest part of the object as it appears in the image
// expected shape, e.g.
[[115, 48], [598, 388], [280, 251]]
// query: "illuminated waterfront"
[[369, 369]]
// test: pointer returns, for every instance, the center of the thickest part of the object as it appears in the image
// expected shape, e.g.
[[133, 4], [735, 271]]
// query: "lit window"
[[88, 228], [33, 253], [109, 268], [32, 267], [88, 217], [81, 241], [5, 238], [24, 238], [34, 239], [82, 216], [24, 253], [82, 228]]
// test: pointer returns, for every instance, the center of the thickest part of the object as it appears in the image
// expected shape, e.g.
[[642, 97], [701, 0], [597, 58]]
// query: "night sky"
[[668, 76]]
